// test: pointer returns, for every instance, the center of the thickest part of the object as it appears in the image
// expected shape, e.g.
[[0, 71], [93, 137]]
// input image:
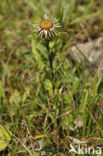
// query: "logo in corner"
[[72, 149]]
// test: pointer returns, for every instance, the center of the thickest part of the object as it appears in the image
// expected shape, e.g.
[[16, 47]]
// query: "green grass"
[[32, 103]]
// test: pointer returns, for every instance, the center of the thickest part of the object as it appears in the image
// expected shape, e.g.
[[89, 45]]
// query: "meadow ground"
[[43, 110]]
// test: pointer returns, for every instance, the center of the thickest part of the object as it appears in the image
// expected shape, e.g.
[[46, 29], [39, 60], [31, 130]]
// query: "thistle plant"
[[47, 33]]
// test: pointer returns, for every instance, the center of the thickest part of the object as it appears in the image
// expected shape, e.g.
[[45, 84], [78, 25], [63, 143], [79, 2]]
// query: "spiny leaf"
[[49, 87], [37, 56], [4, 137]]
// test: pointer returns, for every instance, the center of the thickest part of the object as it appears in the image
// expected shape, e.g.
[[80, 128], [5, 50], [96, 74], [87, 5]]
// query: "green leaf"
[[51, 44], [26, 94], [4, 137], [15, 98], [37, 56], [2, 96], [84, 112], [48, 86], [43, 50], [75, 86], [68, 98], [2, 93]]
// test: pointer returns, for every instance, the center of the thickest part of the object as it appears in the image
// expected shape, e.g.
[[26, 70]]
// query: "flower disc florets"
[[47, 28]]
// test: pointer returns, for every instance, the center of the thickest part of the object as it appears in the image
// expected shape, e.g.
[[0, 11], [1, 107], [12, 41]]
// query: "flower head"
[[46, 27]]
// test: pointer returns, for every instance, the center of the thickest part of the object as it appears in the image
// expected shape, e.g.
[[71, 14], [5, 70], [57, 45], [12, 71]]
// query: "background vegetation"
[[41, 120]]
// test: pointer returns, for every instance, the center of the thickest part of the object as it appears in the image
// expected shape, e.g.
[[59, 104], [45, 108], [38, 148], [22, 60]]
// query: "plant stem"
[[51, 58], [54, 126]]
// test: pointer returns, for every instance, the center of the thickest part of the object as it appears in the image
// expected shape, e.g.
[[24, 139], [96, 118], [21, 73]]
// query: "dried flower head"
[[46, 27]]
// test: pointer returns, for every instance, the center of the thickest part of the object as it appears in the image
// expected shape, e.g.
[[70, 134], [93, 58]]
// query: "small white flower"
[[47, 27]]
